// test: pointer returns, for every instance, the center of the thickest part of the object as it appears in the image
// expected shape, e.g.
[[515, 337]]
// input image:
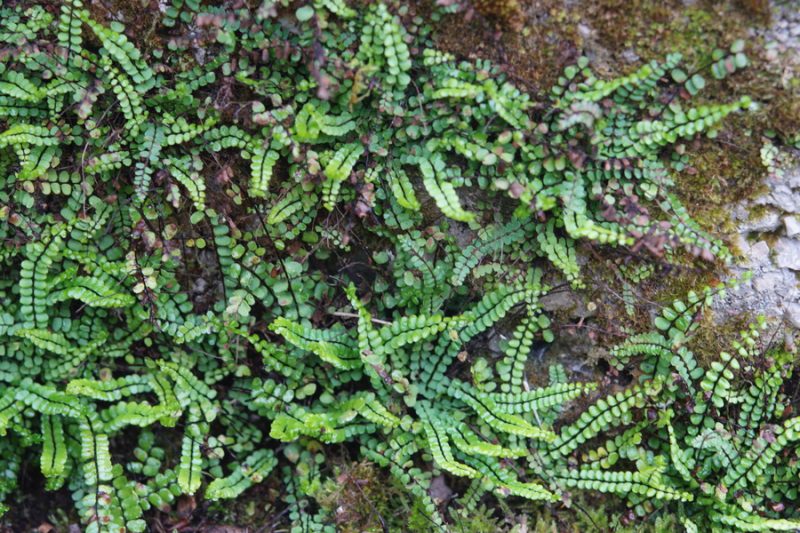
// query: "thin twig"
[[354, 315]]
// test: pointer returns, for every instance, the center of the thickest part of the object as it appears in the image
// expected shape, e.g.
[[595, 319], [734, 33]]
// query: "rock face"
[[784, 38], [787, 253], [791, 225], [770, 221], [792, 314], [770, 250], [770, 243]]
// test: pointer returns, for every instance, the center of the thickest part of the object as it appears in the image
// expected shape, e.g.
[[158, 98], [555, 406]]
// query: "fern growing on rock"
[[305, 238], [720, 437]]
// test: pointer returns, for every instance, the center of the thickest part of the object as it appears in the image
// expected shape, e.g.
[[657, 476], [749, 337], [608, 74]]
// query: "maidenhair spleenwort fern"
[[220, 268], [723, 435]]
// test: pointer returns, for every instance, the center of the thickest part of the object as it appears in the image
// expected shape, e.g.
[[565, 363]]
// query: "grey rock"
[[787, 253], [769, 222], [493, 345], [767, 283], [792, 225], [739, 213], [439, 490], [784, 198], [739, 241], [793, 178], [570, 303], [739, 294], [758, 253], [629, 55], [792, 314], [577, 351], [558, 301]]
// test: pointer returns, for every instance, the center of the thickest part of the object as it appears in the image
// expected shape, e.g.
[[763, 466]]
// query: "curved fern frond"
[[441, 190], [253, 470]]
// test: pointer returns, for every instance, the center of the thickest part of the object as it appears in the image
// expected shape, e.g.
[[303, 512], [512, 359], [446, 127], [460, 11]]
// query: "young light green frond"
[[470, 443], [47, 400], [123, 414], [439, 445], [92, 291], [190, 390], [28, 135], [506, 481], [441, 189], [191, 463], [46, 340], [402, 189], [335, 348], [488, 411], [54, 449], [95, 454], [262, 162], [742, 520], [185, 172], [109, 390], [253, 470], [537, 400], [10, 407], [337, 170], [412, 329], [371, 408]]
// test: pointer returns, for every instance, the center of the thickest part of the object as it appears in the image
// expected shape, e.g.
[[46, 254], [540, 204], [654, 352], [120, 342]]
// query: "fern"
[[337, 170], [261, 164], [124, 53], [310, 231], [253, 470], [191, 463], [54, 451], [441, 190]]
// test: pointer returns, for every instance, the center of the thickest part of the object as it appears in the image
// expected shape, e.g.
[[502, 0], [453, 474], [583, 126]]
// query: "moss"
[[606, 17], [654, 28], [759, 10], [260, 506], [361, 497], [477, 521], [722, 172], [139, 16], [602, 515], [697, 31], [784, 114], [533, 49], [713, 337], [508, 12]]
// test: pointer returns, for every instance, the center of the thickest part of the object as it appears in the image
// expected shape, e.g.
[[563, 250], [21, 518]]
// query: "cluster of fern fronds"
[[300, 228]]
